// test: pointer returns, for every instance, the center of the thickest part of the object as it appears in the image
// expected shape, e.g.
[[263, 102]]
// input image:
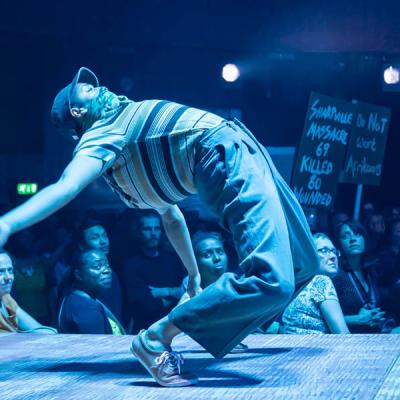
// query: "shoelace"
[[171, 359]]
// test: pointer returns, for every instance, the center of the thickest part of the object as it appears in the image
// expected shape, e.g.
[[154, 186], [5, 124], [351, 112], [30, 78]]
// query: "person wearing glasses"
[[316, 308], [81, 311]]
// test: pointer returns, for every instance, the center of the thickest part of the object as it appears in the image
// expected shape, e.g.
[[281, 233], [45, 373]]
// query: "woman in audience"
[[356, 284], [12, 317], [316, 308], [81, 311]]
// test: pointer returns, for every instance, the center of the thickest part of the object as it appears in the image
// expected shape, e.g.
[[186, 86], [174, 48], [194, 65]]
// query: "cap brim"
[[84, 75]]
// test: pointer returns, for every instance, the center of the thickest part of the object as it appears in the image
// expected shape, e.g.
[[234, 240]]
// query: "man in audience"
[[93, 236], [81, 311], [212, 261], [151, 279]]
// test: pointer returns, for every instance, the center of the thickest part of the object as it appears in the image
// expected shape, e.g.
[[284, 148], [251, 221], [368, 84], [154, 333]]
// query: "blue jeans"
[[236, 178]]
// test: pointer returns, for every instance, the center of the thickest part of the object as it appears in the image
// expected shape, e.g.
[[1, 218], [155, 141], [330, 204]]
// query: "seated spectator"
[[211, 258], [356, 284], [375, 224], [151, 280], [316, 308], [12, 317], [338, 218], [31, 277], [212, 262], [367, 209], [93, 236], [81, 311], [388, 258]]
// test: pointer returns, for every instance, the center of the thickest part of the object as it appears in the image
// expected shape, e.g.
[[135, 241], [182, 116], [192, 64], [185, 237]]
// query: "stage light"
[[391, 75], [230, 72]]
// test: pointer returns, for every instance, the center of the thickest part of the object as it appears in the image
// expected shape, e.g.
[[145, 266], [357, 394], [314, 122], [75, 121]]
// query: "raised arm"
[[79, 173], [178, 234]]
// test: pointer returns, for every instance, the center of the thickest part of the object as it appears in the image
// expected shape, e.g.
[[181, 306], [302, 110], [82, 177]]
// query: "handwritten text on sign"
[[366, 148], [321, 151]]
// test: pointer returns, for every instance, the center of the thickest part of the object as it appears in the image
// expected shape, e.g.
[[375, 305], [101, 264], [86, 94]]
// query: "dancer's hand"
[[193, 287], [4, 233]]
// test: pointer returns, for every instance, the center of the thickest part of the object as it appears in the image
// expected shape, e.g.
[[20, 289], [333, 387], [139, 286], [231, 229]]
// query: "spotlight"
[[230, 72], [391, 75]]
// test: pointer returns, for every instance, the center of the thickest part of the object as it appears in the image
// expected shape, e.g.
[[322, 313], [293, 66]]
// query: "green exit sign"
[[24, 189]]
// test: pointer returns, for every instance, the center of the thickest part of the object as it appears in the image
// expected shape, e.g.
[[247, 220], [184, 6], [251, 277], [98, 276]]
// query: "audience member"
[[356, 284], [338, 218], [31, 277], [93, 236], [367, 209], [375, 224], [316, 308], [12, 317], [210, 256], [388, 258], [152, 278], [81, 311], [212, 261]]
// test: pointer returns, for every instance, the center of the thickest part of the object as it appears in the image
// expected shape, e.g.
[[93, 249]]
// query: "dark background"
[[176, 49]]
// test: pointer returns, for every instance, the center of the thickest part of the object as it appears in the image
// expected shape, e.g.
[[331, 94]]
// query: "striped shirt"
[[147, 149]]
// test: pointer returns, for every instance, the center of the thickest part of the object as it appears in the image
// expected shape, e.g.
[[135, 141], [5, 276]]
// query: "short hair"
[[150, 213], [85, 224], [137, 219], [321, 235], [199, 236], [79, 259]]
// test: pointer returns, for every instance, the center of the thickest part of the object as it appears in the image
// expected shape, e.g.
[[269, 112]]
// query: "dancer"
[[154, 153]]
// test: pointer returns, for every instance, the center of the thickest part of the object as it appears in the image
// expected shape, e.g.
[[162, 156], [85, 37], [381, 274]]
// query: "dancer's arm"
[[178, 234], [81, 171]]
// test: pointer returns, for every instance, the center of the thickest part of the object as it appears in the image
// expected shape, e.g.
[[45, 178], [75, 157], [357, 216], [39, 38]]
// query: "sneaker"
[[164, 367]]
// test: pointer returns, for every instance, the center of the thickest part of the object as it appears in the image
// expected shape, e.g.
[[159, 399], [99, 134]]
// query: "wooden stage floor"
[[276, 367]]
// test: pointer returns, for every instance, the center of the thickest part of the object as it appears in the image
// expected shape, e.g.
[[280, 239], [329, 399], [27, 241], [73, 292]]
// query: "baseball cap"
[[61, 110]]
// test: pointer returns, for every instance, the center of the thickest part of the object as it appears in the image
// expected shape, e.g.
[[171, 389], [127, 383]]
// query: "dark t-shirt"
[[137, 274], [352, 296], [83, 314]]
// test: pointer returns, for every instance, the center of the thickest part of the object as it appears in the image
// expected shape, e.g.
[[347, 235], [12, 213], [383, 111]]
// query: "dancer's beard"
[[102, 106]]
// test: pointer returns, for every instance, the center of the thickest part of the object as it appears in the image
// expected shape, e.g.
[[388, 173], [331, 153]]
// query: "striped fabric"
[[148, 150]]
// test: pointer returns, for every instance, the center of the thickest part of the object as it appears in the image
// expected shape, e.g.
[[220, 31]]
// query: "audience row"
[[80, 283]]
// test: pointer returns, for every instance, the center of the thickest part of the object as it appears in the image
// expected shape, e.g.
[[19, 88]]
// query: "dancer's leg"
[[159, 336]]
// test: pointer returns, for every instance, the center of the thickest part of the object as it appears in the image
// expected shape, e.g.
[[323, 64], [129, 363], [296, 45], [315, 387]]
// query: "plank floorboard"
[[276, 367]]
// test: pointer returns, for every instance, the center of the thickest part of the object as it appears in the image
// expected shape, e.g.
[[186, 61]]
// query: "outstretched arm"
[[178, 234], [79, 173]]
